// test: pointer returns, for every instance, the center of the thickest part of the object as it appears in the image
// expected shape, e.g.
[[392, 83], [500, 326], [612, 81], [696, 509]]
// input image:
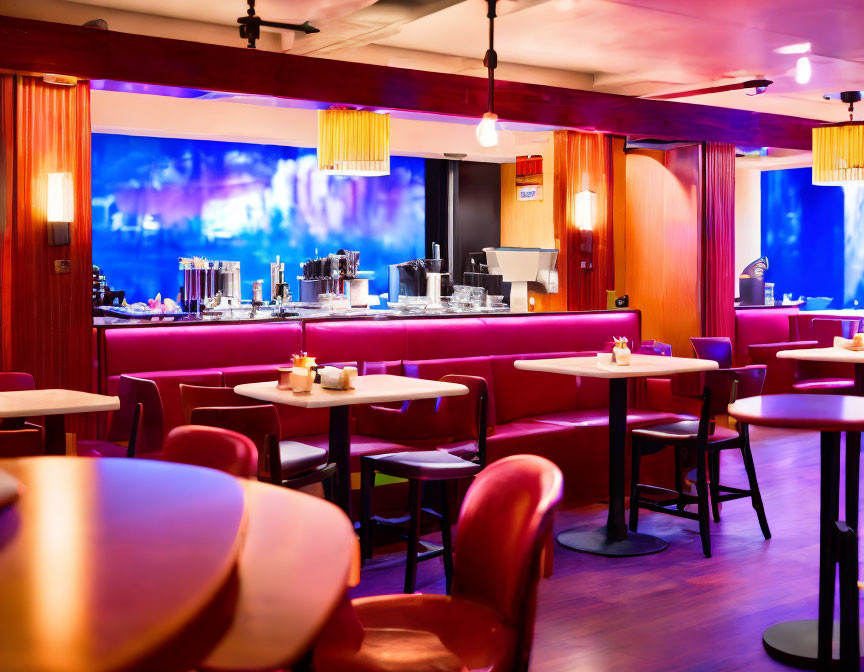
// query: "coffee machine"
[[421, 277], [209, 284]]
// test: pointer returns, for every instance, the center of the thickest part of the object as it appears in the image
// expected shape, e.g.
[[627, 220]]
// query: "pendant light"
[[838, 149], [487, 129], [353, 142]]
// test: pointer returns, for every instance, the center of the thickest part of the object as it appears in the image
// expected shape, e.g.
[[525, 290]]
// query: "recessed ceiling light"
[[797, 48]]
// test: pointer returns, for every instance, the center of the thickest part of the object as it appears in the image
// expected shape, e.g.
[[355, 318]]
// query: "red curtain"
[[719, 237], [46, 327], [582, 164]]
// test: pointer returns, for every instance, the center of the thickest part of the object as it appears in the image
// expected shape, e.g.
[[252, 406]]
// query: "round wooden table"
[[812, 644], [109, 563]]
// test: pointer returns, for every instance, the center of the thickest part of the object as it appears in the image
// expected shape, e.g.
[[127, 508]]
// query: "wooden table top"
[[823, 412], [841, 355], [641, 366], [298, 558], [104, 561], [24, 403], [374, 389]]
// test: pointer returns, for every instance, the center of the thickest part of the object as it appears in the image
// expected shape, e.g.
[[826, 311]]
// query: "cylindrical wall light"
[[584, 214], [60, 208]]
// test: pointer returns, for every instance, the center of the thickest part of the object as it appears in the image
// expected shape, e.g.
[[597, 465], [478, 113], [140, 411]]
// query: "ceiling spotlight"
[[250, 26], [797, 48], [803, 70]]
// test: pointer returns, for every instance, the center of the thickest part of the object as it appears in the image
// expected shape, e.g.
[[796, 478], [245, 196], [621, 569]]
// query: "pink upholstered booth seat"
[[196, 355]]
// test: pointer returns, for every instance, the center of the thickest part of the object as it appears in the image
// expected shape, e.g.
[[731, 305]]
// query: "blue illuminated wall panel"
[[157, 199], [803, 235]]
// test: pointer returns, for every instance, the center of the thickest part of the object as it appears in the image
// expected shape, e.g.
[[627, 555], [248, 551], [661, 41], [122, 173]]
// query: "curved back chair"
[[488, 621], [287, 463], [465, 418], [201, 396], [141, 396], [212, 447], [718, 348], [707, 439], [19, 438], [825, 329]]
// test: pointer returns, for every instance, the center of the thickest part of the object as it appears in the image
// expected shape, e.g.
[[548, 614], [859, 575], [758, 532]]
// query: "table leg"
[[613, 540], [55, 434], [340, 453], [804, 644], [859, 380]]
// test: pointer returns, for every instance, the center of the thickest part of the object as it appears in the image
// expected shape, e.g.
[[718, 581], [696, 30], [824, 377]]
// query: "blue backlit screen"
[[158, 199], [813, 237]]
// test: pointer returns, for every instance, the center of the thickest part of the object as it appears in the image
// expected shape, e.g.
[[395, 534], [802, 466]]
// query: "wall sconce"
[[584, 213], [61, 208]]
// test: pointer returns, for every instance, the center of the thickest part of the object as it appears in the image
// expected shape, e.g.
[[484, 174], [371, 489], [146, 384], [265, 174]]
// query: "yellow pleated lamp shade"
[[353, 142], [838, 153]]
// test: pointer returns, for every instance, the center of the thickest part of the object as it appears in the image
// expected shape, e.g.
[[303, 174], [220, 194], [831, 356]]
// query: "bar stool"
[[443, 467], [721, 388]]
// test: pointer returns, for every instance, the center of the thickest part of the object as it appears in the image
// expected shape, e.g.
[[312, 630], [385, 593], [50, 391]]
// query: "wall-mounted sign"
[[529, 178], [533, 192]]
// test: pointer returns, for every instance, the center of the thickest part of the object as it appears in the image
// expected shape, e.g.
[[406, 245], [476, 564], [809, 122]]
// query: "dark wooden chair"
[[18, 437], [462, 454], [288, 463], [707, 439]]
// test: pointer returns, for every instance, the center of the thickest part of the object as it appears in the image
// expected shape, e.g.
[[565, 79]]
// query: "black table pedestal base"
[[793, 643], [595, 541]]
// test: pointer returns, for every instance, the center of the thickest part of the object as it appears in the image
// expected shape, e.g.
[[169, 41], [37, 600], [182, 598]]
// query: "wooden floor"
[[677, 610]]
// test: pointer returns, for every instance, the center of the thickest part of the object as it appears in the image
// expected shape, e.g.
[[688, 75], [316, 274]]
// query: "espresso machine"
[[335, 274], [420, 278], [209, 284]]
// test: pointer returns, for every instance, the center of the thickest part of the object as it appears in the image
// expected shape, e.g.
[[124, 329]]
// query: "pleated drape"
[[582, 163], [719, 229], [45, 317]]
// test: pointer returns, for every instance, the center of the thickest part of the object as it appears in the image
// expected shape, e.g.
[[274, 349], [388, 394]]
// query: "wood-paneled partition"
[[662, 242], [46, 327]]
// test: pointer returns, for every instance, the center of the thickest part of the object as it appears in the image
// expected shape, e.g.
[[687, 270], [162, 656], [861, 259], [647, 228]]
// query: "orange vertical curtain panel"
[[582, 163], [46, 326], [719, 237]]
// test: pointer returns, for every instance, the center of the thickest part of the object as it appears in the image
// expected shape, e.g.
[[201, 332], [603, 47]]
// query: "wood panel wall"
[[662, 246], [531, 223]]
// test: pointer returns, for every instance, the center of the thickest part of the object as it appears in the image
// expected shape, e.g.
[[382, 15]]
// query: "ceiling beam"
[[28, 46]]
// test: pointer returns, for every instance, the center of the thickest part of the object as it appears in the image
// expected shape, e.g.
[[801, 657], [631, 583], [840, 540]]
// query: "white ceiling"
[[630, 47]]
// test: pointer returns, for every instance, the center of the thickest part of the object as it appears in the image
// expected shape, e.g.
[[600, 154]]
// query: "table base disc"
[[793, 643], [594, 541]]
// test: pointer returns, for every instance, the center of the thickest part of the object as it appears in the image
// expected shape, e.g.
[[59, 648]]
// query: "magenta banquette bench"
[[760, 333], [559, 417]]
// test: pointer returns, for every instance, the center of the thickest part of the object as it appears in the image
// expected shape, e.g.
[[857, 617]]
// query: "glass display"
[[158, 199]]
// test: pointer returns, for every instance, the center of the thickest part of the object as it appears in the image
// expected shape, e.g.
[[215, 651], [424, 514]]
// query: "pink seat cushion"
[[816, 385], [360, 445], [96, 448], [685, 431], [525, 394], [298, 457], [599, 417]]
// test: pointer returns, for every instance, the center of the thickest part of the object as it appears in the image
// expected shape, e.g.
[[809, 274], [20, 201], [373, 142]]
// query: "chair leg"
[[755, 496], [446, 534], [679, 477], [367, 482], [635, 460], [415, 493], [714, 482], [702, 495]]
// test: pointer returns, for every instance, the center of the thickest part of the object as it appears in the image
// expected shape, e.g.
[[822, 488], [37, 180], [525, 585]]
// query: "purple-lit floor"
[[677, 610]]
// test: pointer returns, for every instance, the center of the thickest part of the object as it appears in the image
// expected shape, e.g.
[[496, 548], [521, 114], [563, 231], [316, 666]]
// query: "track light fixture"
[[250, 26]]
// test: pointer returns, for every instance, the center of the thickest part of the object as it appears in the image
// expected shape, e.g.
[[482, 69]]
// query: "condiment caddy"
[[304, 373]]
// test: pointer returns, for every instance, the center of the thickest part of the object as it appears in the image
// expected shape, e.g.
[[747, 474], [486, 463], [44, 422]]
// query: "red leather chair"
[[718, 348], [289, 463], [488, 621], [137, 428], [19, 438], [707, 439], [212, 447]]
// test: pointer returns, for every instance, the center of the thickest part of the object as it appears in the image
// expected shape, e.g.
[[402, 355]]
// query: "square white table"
[[836, 355], [375, 389], [613, 540], [54, 405]]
